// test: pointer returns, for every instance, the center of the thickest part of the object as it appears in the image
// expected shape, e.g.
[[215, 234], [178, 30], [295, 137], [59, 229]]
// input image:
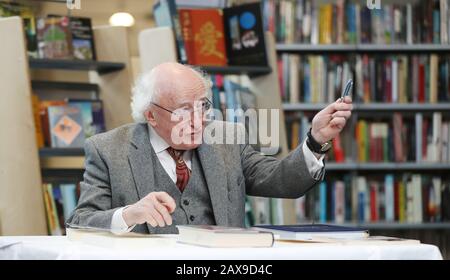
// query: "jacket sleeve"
[[94, 205], [270, 177]]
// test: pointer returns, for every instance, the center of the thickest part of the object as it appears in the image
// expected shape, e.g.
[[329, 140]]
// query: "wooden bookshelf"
[[296, 48], [363, 48], [109, 78], [373, 107], [383, 166], [237, 70], [61, 152], [102, 67], [54, 85], [400, 226]]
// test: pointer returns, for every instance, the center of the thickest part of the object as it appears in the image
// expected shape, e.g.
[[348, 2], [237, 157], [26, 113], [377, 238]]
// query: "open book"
[[217, 236]]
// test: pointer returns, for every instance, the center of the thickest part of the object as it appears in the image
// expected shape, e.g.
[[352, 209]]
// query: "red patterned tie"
[[183, 172]]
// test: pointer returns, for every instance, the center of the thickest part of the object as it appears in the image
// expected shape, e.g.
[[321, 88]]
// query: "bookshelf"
[[385, 166], [76, 86], [102, 67], [400, 226], [22, 165], [373, 107], [237, 70], [362, 48], [109, 77], [409, 45], [62, 152]]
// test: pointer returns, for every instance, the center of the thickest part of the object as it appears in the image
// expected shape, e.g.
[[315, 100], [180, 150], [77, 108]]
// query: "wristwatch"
[[315, 146]]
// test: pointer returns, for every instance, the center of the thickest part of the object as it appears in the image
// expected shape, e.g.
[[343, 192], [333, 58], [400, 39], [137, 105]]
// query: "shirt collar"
[[158, 144]]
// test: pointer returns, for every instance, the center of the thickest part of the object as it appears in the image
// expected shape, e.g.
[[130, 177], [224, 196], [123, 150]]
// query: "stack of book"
[[378, 78], [60, 201], [421, 138], [405, 198], [347, 22]]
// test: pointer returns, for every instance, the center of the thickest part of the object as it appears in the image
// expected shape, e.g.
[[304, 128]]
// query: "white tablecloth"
[[52, 247]]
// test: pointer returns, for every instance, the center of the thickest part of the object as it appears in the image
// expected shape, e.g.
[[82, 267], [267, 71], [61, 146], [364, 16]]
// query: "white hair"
[[148, 86]]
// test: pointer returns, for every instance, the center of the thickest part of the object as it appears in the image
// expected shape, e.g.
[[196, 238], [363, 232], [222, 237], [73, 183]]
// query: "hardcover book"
[[54, 38], [203, 36], [82, 38], [245, 40], [217, 236], [307, 232], [66, 126]]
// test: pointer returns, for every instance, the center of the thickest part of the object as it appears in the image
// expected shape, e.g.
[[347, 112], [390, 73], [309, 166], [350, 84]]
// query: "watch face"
[[326, 146]]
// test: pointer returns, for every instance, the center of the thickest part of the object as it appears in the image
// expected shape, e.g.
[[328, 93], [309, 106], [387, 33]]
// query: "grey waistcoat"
[[193, 204]]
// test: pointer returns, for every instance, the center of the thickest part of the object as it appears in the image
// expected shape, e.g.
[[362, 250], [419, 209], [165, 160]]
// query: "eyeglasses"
[[187, 112]]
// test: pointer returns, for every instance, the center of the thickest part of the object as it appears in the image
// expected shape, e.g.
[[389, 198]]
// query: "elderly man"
[[139, 177]]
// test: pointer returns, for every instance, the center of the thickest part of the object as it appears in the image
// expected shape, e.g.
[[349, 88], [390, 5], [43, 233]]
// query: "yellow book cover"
[[48, 209], [325, 23], [401, 202], [403, 76], [56, 229]]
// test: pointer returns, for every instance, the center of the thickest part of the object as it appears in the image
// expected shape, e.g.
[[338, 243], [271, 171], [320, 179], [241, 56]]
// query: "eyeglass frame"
[[209, 102]]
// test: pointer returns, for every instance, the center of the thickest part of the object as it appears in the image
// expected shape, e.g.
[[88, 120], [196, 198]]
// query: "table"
[[60, 247]]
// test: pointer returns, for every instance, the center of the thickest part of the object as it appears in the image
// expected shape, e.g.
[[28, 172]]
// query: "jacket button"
[[192, 218], [186, 202]]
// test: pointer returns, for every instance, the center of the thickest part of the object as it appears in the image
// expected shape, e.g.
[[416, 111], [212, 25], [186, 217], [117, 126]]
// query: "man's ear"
[[150, 117]]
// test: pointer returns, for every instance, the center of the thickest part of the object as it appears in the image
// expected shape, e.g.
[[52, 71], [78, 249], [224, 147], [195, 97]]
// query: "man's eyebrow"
[[189, 103]]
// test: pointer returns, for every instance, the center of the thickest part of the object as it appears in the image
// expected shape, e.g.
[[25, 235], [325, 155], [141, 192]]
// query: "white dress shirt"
[[160, 146]]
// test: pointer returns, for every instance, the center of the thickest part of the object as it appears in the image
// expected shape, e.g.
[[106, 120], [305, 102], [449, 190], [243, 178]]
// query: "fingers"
[[348, 100], [166, 200], [338, 122], [155, 209], [149, 219], [342, 106], [343, 114], [339, 106], [158, 217], [163, 212]]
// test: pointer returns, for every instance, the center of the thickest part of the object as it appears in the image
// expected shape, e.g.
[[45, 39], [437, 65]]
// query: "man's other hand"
[[329, 122], [154, 209]]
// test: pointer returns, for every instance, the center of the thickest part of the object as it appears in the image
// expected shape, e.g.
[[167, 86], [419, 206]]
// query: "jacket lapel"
[[215, 176], [139, 157]]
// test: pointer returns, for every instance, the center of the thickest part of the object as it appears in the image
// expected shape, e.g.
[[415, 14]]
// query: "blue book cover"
[[230, 89], [165, 12], [68, 192], [361, 206], [323, 201], [92, 113], [311, 231], [86, 114], [312, 228]]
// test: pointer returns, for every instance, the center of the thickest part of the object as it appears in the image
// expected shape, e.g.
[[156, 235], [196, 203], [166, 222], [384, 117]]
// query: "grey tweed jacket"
[[119, 172]]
